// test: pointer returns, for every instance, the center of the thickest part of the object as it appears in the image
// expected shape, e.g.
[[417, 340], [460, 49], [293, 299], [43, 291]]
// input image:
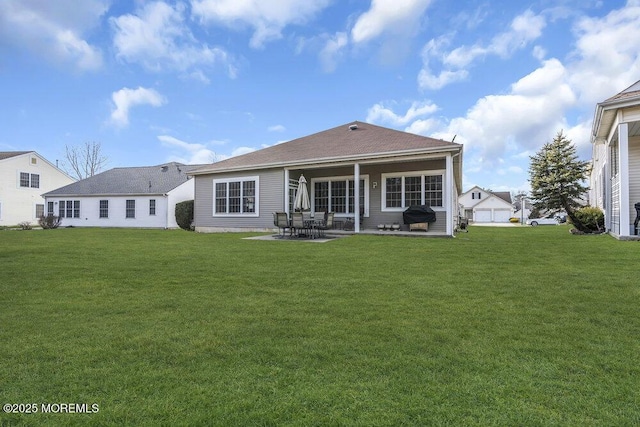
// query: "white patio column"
[[623, 154], [356, 197], [608, 224], [448, 193], [286, 191]]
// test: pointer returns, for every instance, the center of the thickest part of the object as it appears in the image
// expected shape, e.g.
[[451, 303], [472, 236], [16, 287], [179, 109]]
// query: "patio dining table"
[[313, 225]]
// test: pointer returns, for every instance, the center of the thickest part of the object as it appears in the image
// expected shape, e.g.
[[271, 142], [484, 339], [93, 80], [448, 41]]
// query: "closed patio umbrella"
[[302, 202]]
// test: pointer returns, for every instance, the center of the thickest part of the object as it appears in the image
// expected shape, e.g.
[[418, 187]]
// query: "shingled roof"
[[9, 154], [632, 91], [504, 195], [158, 179], [351, 141]]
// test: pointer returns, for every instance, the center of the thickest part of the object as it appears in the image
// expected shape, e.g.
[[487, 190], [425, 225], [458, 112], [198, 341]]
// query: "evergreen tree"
[[557, 178]]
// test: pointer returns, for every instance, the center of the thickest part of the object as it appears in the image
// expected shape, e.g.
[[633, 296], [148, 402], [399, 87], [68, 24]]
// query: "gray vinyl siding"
[[376, 216], [271, 199], [271, 195], [634, 177]]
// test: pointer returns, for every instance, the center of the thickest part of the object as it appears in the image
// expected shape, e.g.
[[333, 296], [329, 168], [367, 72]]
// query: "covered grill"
[[418, 217]]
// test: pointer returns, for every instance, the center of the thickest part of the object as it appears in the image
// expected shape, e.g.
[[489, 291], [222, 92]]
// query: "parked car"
[[551, 219]]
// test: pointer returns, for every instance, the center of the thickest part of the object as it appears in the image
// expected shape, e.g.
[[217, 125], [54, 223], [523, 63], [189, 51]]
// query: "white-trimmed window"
[[130, 209], [152, 207], [236, 196], [337, 194], [401, 190], [104, 209], [69, 208], [50, 208], [29, 180]]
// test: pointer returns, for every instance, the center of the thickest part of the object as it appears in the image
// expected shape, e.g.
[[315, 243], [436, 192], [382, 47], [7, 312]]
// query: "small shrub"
[[49, 221], [592, 218], [514, 220], [25, 225], [184, 215]]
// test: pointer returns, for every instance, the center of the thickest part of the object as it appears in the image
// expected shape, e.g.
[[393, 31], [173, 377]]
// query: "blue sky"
[[202, 80]]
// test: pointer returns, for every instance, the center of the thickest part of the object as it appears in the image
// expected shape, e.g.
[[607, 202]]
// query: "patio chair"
[[297, 224], [281, 221], [327, 224]]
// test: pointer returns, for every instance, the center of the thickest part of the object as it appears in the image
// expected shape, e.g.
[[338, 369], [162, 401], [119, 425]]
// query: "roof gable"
[[158, 179], [355, 140], [493, 198]]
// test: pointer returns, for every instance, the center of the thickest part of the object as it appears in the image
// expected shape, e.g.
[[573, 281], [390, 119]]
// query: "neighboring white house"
[[479, 205], [24, 176], [615, 173], [143, 197]]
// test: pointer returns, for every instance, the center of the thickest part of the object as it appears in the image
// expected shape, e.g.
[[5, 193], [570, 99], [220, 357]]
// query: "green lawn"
[[500, 326]]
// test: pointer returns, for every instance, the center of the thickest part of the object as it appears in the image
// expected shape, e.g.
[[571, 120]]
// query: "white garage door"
[[483, 215], [501, 215]]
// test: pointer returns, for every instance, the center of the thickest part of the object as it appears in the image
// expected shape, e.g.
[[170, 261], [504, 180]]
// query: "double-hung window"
[[69, 208], [130, 209], [104, 209], [402, 190], [337, 194], [236, 196], [29, 180], [152, 207]]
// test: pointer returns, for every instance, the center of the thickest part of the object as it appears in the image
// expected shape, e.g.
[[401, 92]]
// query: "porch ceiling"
[[607, 121]]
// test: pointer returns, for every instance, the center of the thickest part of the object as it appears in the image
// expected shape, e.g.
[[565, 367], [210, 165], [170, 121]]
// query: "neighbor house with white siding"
[[480, 205], [141, 197], [356, 170], [615, 173], [24, 176]]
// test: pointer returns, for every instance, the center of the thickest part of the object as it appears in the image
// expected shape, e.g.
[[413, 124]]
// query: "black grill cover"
[[418, 213]]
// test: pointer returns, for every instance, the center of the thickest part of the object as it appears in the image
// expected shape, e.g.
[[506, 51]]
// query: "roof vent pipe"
[[353, 127]]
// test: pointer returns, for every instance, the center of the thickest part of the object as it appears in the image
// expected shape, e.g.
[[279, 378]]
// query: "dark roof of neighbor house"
[[158, 179], [504, 195], [354, 140], [9, 154]]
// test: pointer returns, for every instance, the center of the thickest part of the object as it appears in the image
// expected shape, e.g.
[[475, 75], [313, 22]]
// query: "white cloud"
[[390, 25], [497, 125], [607, 55], [189, 153], [389, 17], [194, 153], [524, 29], [54, 30], [523, 118], [158, 38], [267, 18], [276, 128], [332, 50], [126, 98], [379, 113]]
